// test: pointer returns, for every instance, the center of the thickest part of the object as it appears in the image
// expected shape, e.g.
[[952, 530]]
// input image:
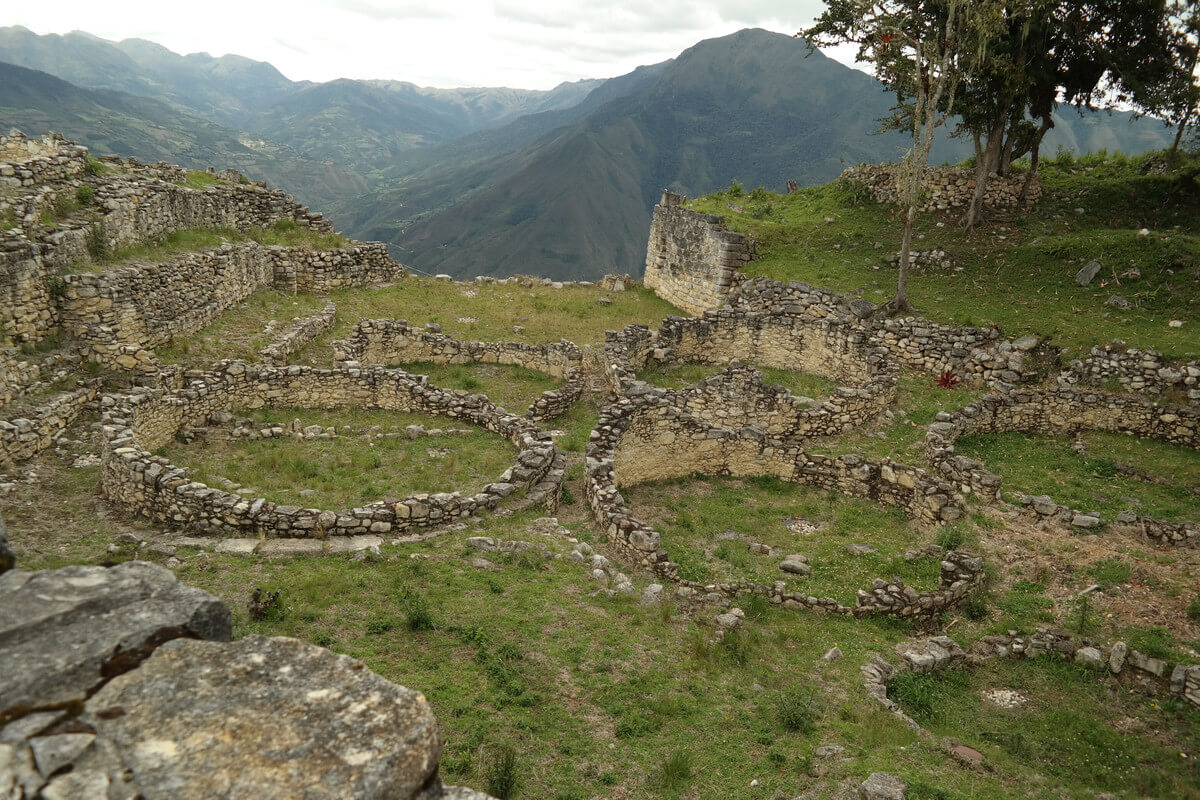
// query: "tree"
[[922, 49]]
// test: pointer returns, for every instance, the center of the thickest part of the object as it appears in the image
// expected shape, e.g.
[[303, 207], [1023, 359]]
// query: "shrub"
[[417, 613], [503, 778], [97, 242], [566, 496], [95, 166], [797, 708], [265, 605], [1193, 609], [735, 189], [950, 537], [85, 195], [676, 770]]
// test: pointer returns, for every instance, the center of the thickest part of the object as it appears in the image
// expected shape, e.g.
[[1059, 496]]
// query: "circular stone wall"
[[133, 426], [1060, 412]]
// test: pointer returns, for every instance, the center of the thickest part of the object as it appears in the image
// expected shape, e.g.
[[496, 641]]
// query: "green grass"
[[708, 523], [198, 179], [1070, 729], [1034, 464], [352, 468], [1018, 269], [678, 376], [187, 240]]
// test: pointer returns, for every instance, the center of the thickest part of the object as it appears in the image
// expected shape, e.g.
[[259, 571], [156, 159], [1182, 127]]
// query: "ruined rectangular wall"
[[691, 258]]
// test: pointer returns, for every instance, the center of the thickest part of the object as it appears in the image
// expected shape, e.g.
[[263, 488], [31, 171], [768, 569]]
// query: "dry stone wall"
[[394, 342], [1063, 411], [26, 436], [646, 436], [692, 260], [133, 426], [143, 306], [944, 187], [130, 206], [1144, 371], [298, 333]]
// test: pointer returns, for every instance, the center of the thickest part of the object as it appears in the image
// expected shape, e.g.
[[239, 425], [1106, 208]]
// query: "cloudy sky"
[[533, 44]]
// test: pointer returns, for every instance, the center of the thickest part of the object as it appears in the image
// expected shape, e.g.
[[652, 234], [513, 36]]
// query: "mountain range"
[[488, 181]]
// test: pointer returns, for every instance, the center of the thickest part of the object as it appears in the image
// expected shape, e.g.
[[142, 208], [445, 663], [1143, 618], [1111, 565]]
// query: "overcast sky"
[[533, 44]]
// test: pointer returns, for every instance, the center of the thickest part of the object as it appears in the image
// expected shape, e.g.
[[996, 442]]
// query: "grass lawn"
[[357, 466], [1114, 472], [678, 376]]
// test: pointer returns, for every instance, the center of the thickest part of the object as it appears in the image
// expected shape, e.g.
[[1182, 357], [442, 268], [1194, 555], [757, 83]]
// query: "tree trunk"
[[1034, 159], [900, 304], [1178, 135], [984, 167]]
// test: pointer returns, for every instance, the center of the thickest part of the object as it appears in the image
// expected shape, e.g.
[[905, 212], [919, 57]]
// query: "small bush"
[[1110, 570], [85, 195], [566, 496], [797, 708], [265, 606], [676, 770], [327, 640], [1083, 616], [380, 625], [97, 242], [95, 167], [503, 778], [1193, 609], [417, 613], [950, 537], [735, 189]]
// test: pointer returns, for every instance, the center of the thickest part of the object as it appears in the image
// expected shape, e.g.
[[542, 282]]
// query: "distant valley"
[[488, 181]]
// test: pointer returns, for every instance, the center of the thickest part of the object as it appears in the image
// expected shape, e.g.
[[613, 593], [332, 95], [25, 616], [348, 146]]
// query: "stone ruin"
[[729, 424], [944, 188]]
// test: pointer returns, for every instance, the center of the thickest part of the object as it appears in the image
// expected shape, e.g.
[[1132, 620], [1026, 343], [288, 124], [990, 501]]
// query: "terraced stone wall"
[[392, 342], [1146, 371], [692, 260], [26, 436], [133, 426], [141, 307], [297, 334], [26, 161], [944, 187]]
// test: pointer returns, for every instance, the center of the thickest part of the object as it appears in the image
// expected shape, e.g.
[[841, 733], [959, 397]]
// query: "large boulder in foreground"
[[64, 632], [109, 692], [261, 717]]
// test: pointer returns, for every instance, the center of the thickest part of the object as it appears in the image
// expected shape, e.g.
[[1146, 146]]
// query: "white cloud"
[[522, 43]]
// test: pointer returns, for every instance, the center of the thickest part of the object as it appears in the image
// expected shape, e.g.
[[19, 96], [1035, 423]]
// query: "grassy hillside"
[[1016, 270]]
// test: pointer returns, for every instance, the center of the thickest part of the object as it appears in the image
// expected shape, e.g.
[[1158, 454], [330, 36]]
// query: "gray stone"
[[795, 567], [652, 594], [1088, 273], [862, 308], [882, 786], [1025, 343], [52, 753], [307, 723], [1085, 521], [829, 751], [1116, 657], [62, 632], [832, 654], [1089, 657], [861, 549], [1116, 301], [1127, 517]]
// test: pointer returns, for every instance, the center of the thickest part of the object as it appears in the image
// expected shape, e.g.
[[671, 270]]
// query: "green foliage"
[[418, 615], [1193, 609], [923, 696], [797, 708], [951, 536], [735, 189], [95, 167], [97, 242], [1110, 571], [503, 774], [85, 195], [1083, 615], [675, 772], [1155, 641]]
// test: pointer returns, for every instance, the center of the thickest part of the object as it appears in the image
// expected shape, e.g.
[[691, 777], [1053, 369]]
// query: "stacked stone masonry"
[[1064, 411], [147, 305], [395, 342], [133, 426], [692, 260], [298, 333], [1143, 371], [944, 188], [25, 436], [646, 436], [132, 203], [1141, 672]]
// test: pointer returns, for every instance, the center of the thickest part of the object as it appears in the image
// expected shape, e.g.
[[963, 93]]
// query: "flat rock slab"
[[263, 717], [64, 632]]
